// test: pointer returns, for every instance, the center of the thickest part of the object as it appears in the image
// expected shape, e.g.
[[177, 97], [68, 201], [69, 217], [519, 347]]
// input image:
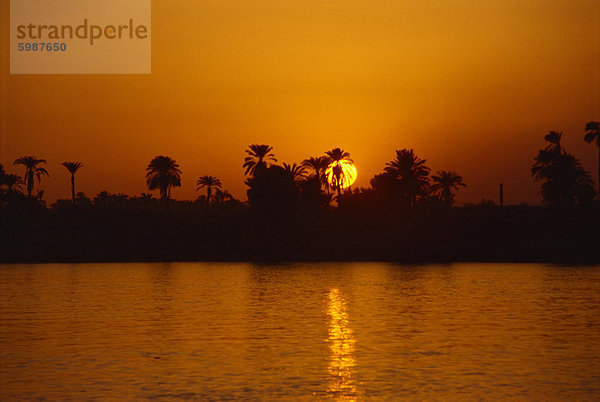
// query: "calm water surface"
[[304, 331]]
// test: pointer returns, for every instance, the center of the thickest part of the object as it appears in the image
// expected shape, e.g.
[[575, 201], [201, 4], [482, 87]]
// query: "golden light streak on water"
[[237, 331], [341, 343]]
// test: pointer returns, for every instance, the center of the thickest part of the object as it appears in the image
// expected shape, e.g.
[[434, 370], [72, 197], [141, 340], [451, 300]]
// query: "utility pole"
[[501, 194]]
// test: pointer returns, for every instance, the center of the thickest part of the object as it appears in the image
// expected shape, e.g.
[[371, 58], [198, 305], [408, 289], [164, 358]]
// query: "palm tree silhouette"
[[222, 195], [337, 155], [163, 173], [12, 182], [118, 197], [258, 156], [144, 200], [553, 138], [209, 182], [32, 170], [101, 199], [564, 178], [445, 182], [545, 162], [592, 132], [411, 174], [319, 165], [296, 172], [72, 167]]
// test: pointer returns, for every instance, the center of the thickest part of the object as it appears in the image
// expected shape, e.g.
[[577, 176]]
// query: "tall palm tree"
[[445, 182], [209, 182], [319, 165], [296, 172], [32, 170], [411, 173], [592, 132], [337, 155], [163, 173], [258, 157], [72, 167]]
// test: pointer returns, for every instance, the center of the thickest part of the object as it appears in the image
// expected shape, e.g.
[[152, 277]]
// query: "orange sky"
[[471, 86]]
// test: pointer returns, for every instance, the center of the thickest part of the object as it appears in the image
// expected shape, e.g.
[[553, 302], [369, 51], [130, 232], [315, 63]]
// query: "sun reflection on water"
[[341, 342]]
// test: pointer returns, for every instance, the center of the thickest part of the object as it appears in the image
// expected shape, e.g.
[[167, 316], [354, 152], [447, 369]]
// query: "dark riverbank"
[[510, 234]]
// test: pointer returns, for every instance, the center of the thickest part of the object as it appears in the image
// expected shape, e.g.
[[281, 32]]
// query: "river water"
[[301, 331]]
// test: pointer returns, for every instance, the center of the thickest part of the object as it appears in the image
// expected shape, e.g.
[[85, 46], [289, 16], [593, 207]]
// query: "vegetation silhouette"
[[73, 167], [222, 196], [565, 181], [444, 184], [13, 183], [337, 155], [296, 172], [318, 165], [102, 199], [592, 133], [10, 188], [272, 190], [258, 158], [163, 173], [32, 171], [410, 174], [209, 182], [406, 214]]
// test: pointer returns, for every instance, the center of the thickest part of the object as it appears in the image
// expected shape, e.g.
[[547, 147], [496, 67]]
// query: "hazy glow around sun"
[[348, 176]]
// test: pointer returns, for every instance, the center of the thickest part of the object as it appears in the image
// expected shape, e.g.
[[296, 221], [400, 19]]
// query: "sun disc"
[[347, 176]]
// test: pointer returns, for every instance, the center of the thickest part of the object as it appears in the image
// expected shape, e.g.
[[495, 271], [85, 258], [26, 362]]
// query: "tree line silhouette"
[[305, 211], [271, 186], [316, 181]]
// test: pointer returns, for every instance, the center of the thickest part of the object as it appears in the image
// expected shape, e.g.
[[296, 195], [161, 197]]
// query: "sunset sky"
[[472, 86]]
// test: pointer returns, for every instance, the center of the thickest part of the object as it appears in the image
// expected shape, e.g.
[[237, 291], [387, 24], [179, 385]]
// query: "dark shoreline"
[[509, 234]]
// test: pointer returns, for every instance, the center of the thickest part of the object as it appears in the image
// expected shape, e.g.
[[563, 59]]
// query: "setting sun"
[[347, 176]]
